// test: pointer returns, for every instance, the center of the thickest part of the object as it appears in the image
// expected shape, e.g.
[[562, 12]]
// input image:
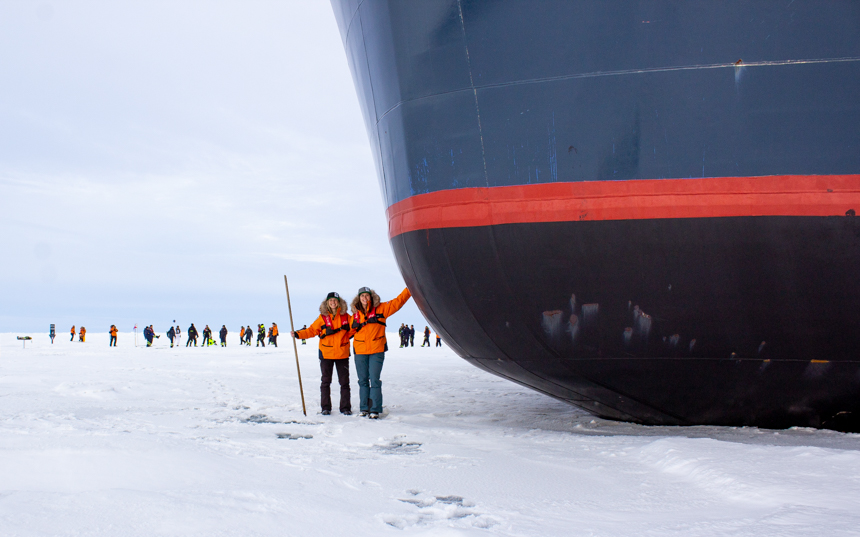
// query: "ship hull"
[[646, 209], [727, 340]]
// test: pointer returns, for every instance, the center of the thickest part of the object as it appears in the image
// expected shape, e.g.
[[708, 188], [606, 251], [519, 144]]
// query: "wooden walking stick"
[[295, 348]]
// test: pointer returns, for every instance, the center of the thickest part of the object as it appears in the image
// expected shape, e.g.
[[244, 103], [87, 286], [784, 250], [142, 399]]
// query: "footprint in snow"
[[294, 436], [259, 418], [398, 444], [436, 510], [263, 418]]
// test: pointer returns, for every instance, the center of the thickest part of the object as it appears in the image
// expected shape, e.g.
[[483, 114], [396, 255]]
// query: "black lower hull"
[[728, 321]]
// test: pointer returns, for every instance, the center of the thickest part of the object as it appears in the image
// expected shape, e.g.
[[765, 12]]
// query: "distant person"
[[223, 335], [242, 336], [412, 335], [147, 335], [438, 340], [113, 332], [304, 341], [207, 336], [249, 333], [52, 334], [171, 335], [192, 335], [368, 323], [273, 338], [178, 332], [426, 336], [73, 333], [82, 335], [261, 335], [402, 333], [332, 326]]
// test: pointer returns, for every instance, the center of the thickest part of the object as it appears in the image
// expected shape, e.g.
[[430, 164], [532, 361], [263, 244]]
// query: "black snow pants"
[[326, 368]]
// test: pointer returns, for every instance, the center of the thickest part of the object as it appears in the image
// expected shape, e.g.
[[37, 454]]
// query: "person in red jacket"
[[332, 326], [369, 315]]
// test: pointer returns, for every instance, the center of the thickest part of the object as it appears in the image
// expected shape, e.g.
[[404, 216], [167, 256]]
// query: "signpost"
[[25, 339]]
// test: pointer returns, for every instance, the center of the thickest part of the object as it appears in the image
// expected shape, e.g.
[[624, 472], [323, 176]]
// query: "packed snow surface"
[[212, 441]]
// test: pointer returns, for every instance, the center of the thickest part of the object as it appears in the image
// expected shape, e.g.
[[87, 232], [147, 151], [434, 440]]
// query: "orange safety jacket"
[[334, 333], [370, 329]]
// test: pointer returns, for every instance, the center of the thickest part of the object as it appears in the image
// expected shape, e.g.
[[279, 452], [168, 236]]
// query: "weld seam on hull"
[[623, 72]]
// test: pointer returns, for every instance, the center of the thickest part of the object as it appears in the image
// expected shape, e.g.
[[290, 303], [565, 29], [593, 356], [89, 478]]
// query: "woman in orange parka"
[[369, 315], [332, 326], [83, 335]]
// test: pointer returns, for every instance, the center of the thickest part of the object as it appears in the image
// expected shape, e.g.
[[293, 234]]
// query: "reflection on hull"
[[644, 209]]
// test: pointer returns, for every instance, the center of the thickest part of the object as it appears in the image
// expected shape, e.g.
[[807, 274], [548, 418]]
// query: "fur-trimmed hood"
[[324, 307], [355, 301]]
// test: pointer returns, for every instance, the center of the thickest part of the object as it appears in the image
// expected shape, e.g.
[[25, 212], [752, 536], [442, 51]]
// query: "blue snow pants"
[[368, 368]]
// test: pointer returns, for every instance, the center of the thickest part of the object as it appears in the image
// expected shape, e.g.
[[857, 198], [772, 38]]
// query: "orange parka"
[[274, 329], [113, 331], [334, 334], [370, 335]]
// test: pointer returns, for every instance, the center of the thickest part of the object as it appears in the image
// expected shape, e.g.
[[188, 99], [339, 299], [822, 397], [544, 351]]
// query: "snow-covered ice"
[[212, 441]]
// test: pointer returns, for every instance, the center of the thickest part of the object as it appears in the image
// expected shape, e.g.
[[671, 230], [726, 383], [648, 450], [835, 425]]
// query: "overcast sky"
[[173, 160]]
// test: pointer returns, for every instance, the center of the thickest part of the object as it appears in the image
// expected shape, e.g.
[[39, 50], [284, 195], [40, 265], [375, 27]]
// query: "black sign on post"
[[53, 333]]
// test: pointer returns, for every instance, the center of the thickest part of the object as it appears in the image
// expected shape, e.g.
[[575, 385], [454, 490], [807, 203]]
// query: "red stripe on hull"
[[774, 195]]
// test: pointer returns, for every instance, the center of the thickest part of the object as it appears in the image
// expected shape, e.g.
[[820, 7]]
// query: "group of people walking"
[[82, 335], [245, 335], [174, 334], [366, 327], [407, 336]]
